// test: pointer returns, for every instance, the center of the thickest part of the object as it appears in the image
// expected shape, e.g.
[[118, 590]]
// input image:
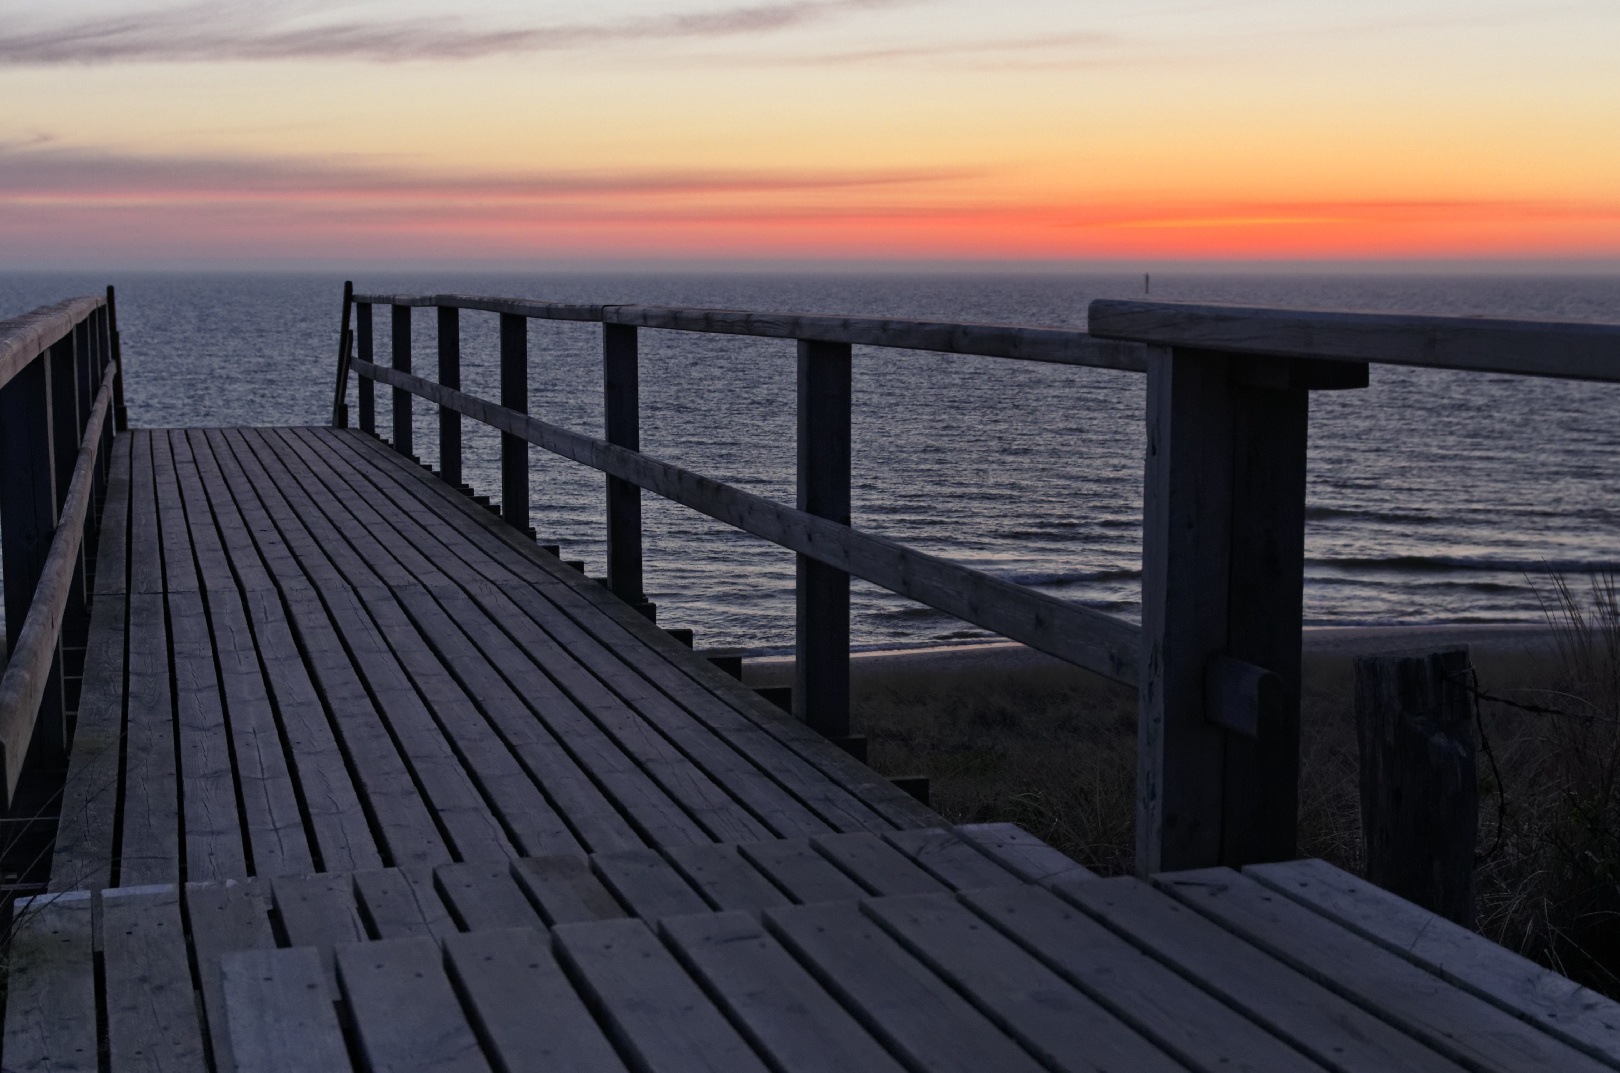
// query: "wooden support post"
[[515, 396], [401, 345], [1223, 580], [450, 376], [120, 415], [340, 397], [1419, 794], [821, 663], [63, 361], [365, 388], [622, 425], [28, 520]]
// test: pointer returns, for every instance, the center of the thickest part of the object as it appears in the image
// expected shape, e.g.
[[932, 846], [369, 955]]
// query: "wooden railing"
[[61, 398], [1217, 657]]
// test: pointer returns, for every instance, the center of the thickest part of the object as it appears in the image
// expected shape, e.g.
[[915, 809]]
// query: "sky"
[[290, 132]]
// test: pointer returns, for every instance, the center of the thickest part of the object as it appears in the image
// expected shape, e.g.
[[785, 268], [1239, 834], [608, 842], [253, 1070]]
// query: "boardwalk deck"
[[363, 778]]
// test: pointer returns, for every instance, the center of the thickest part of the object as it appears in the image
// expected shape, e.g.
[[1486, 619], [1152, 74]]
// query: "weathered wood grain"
[[952, 859], [151, 1013], [23, 338], [876, 865], [85, 830], [222, 917], [320, 911], [1022, 853], [724, 878], [644, 881], [404, 1010], [484, 896], [281, 1015], [402, 903], [51, 985], [564, 890]]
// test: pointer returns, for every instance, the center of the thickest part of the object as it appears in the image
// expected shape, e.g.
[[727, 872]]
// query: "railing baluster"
[[515, 396], [340, 397], [401, 345], [450, 376], [821, 664], [116, 353], [621, 413], [365, 387]]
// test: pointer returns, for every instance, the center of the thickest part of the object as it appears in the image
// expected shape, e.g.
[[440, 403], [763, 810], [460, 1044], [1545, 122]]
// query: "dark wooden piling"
[[621, 419], [1419, 790], [821, 664], [400, 346]]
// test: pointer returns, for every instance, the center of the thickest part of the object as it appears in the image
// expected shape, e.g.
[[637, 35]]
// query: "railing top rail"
[[1060, 346], [23, 338], [1569, 350]]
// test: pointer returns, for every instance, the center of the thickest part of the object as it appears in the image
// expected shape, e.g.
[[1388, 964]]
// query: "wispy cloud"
[[212, 31]]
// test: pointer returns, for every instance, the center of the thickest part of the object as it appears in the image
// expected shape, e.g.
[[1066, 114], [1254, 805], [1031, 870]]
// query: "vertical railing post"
[[515, 396], [621, 412], [340, 397], [120, 415], [28, 520], [821, 663], [450, 376], [1222, 588], [365, 388], [65, 362], [401, 345]]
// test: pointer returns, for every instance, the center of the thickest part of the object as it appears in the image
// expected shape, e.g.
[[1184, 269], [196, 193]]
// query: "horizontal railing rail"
[[60, 404]]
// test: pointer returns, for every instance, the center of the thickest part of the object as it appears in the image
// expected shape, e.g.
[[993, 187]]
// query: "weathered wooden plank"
[[112, 540], [876, 865], [151, 1013], [1452, 1021], [401, 903], [319, 911], [644, 881], [51, 985], [484, 896], [23, 338], [847, 795], [660, 1020], [145, 554], [1577, 1015], [213, 827], [916, 1014], [774, 1001], [564, 890], [223, 917], [524, 1009], [1090, 639], [724, 878], [404, 1009], [1022, 853], [1335, 1033], [1062, 346], [1054, 1020], [804, 874], [281, 1015], [82, 857], [1190, 1024], [1572, 351], [952, 859], [150, 848]]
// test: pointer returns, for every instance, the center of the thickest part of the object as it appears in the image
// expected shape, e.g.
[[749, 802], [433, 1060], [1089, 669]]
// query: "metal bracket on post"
[[821, 663]]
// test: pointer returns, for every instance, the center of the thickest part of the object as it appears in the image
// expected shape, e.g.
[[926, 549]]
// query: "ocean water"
[[1433, 497]]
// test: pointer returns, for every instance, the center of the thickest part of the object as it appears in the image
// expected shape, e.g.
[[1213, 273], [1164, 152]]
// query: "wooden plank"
[[646, 883], [213, 827], [1062, 346], [484, 896], [1572, 351], [952, 859], [222, 917], [804, 874], [319, 911], [405, 1012], [1022, 853], [112, 540], [776, 1003], [1335, 1033], [149, 851], [917, 1015], [659, 1019], [846, 794], [342, 839], [875, 864], [1579, 1016], [524, 1009], [1450, 1020], [1194, 1026], [82, 857], [151, 1012], [727, 881], [1090, 639], [564, 890], [51, 985], [1057, 1022], [281, 1015], [401, 903]]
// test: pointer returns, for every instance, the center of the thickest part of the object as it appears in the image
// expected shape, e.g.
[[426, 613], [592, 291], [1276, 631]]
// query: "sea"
[[1434, 497]]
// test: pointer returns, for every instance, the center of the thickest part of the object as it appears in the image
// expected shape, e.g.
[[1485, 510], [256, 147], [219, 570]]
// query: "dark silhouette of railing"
[[1217, 657], [61, 397]]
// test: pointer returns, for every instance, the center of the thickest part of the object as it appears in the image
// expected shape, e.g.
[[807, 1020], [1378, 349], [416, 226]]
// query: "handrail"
[[1087, 638], [23, 338], [23, 685]]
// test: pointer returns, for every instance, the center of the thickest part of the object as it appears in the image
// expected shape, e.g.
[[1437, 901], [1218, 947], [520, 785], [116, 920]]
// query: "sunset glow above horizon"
[[283, 132]]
